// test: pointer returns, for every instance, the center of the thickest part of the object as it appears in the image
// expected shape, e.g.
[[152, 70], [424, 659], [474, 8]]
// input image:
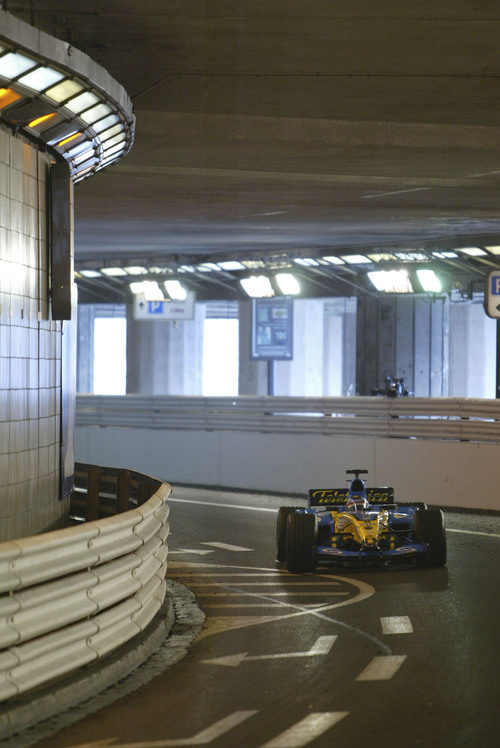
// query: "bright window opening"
[[110, 355], [220, 357]]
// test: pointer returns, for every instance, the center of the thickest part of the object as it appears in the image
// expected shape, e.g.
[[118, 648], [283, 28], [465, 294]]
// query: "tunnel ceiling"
[[293, 128]]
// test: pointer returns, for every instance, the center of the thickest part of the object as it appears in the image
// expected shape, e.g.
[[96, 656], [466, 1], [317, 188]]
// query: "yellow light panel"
[[69, 139], [40, 120], [7, 96]]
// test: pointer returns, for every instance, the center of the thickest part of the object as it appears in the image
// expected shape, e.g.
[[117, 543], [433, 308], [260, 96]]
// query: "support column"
[[252, 378]]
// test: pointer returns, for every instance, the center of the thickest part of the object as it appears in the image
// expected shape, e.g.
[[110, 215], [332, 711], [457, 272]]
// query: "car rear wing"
[[339, 496]]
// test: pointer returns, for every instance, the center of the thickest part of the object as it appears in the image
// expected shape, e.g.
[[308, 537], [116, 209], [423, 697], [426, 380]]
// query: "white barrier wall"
[[69, 597], [445, 473]]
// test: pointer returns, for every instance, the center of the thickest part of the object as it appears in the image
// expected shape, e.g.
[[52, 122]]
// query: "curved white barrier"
[[72, 596]]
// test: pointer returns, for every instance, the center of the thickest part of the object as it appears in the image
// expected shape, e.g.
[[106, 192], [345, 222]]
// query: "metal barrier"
[[448, 418], [69, 597]]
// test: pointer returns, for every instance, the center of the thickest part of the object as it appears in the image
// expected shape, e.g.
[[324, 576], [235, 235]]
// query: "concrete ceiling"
[[299, 126]]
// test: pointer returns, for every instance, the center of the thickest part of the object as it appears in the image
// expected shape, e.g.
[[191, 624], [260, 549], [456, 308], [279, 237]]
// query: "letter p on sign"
[[492, 295]]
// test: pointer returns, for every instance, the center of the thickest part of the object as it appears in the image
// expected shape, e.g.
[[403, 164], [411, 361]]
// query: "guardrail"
[[450, 418], [69, 597]]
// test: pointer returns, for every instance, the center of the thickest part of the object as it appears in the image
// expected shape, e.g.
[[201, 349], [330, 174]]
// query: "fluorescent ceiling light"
[[254, 264], [101, 124], [135, 270], [429, 280], [355, 259], [494, 250], [40, 79], [257, 286], [306, 261], [97, 113], [175, 290], [13, 64], [152, 291], [90, 273], [472, 251], [206, 267], [288, 284], [113, 271], [391, 281], [186, 269], [231, 265], [333, 260], [79, 103], [63, 90], [382, 257], [411, 256]]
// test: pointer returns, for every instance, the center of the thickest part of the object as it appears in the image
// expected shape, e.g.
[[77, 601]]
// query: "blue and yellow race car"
[[359, 526]]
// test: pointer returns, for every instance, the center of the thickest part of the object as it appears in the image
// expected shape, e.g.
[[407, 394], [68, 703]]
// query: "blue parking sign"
[[495, 284]]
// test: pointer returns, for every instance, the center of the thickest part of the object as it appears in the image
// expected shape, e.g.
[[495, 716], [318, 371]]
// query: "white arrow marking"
[[197, 552], [226, 547], [305, 731], [322, 646], [201, 738], [382, 668], [396, 625]]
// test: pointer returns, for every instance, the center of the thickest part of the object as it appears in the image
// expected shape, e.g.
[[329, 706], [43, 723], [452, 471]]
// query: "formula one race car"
[[359, 526]]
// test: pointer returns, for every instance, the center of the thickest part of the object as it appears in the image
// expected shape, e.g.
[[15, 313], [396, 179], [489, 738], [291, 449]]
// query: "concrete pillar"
[[85, 348], [252, 377], [472, 351]]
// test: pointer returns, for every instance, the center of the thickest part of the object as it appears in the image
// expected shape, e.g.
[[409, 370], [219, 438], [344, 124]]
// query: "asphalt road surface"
[[400, 657]]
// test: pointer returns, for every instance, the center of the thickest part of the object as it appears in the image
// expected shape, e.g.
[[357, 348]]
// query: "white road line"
[[396, 625], [322, 646], [227, 547], [237, 593], [305, 731], [258, 605], [231, 574], [474, 532], [225, 506], [382, 667], [195, 551], [269, 584]]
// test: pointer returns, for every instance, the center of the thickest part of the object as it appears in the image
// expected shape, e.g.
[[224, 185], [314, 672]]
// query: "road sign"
[[492, 295], [157, 311], [272, 329]]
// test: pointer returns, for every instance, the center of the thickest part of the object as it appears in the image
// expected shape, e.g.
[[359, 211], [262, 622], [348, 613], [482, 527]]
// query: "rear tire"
[[302, 535], [429, 528], [281, 531]]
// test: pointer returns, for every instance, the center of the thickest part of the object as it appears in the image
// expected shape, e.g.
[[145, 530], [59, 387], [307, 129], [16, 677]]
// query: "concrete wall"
[[30, 349], [444, 473]]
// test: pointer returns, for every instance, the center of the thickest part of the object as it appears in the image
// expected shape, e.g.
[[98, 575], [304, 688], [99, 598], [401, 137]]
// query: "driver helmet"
[[356, 498]]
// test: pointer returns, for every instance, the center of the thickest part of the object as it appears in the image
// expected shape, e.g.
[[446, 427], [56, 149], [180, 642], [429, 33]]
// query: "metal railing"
[[69, 597], [452, 418]]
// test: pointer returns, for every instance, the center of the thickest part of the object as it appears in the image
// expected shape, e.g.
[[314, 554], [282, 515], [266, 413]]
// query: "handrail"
[[450, 418], [71, 596]]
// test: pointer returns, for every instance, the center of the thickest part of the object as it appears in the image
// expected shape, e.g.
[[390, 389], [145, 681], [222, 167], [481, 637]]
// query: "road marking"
[[226, 547], [195, 551], [257, 605], [306, 730], [474, 532], [240, 593], [201, 738], [225, 506], [322, 646], [382, 667], [291, 583], [396, 625]]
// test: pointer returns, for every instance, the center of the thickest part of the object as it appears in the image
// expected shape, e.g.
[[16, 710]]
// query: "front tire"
[[302, 536], [430, 529]]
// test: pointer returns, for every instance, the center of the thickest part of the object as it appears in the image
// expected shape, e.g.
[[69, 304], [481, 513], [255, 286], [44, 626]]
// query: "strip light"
[[391, 281], [257, 286]]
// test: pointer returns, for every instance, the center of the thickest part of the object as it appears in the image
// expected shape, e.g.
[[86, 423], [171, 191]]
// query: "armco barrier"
[[69, 597]]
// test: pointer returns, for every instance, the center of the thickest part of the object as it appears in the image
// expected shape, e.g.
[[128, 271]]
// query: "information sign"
[[492, 295], [157, 311], [272, 329]]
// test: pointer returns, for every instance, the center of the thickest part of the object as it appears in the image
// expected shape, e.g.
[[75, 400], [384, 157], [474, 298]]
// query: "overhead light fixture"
[[288, 284], [90, 273], [307, 262], [175, 290], [208, 267], [472, 251], [152, 291], [231, 265], [428, 280], [334, 260], [411, 256], [381, 257], [494, 250], [257, 286], [391, 281], [135, 270], [355, 259], [137, 287], [112, 272]]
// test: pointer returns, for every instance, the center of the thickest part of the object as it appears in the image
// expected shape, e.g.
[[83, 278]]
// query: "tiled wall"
[[30, 349]]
